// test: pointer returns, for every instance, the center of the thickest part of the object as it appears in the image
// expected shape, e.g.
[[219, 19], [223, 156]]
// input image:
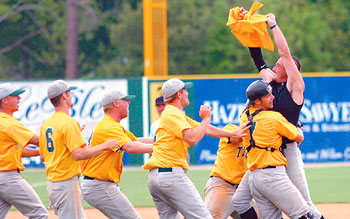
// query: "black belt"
[[162, 170], [88, 178], [268, 167], [225, 181]]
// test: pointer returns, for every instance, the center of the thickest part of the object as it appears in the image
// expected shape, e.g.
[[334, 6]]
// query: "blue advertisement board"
[[325, 115]]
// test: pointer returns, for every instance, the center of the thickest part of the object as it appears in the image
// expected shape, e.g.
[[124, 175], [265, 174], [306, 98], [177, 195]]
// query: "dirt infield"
[[329, 210]]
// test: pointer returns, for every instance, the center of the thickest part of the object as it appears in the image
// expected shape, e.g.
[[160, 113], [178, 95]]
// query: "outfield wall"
[[325, 115]]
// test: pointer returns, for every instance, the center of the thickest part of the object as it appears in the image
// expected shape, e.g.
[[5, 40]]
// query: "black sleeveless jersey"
[[284, 104]]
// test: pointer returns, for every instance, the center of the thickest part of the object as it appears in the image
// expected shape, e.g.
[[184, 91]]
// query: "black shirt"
[[284, 104]]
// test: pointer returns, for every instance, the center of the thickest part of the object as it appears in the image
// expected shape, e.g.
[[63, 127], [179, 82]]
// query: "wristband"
[[273, 26]]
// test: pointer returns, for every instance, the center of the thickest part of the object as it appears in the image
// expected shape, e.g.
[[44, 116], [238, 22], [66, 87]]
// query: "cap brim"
[[129, 97], [72, 87], [249, 103], [188, 85], [17, 92]]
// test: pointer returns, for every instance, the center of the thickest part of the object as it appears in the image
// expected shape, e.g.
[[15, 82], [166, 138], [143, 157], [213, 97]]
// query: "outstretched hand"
[[240, 131]]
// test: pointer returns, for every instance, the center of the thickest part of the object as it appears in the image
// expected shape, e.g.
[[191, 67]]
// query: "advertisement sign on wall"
[[325, 115], [35, 107]]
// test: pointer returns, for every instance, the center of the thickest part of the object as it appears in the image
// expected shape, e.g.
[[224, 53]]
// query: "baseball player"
[[62, 145], [102, 173], [266, 177], [171, 190], [288, 88], [229, 168], [14, 137], [160, 106]]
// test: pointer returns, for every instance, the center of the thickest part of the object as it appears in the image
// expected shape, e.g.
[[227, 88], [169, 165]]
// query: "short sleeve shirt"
[[108, 165], [170, 149], [268, 129], [60, 134], [14, 136]]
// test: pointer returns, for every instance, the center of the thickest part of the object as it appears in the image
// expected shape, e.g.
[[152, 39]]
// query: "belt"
[[268, 167], [88, 178], [232, 184], [168, 170], [162, 170]]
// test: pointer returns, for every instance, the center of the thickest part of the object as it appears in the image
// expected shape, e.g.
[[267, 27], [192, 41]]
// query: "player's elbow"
[[299, 138], [78, 154], [191, 141]]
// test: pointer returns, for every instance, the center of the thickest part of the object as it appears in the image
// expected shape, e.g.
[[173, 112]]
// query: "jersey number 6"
[[49, 140]]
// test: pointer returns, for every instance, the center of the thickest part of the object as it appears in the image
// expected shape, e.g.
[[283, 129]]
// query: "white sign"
[[35, 107]]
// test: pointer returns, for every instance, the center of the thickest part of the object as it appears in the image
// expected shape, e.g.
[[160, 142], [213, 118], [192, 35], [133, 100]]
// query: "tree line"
[[110, 37]]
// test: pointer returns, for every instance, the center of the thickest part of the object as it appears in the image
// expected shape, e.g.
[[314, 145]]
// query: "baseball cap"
[[58, 87], [171, 86], [160, 100], [7, 89], [112, 95], [257, 90]]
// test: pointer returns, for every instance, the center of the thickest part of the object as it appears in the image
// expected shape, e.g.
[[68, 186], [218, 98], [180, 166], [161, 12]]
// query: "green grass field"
[[327, 184]]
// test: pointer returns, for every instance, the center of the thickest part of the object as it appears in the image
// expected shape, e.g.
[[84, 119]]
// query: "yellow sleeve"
[[192, 122], [176, 123], [120, 134], [286, 128], [19, 133], [72, 136]]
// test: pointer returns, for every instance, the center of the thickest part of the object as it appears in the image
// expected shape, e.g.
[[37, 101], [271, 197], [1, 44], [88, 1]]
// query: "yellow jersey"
[[231, 161], [108, 165], [170, 149], [268, 128], [60, 134], [14, 136]]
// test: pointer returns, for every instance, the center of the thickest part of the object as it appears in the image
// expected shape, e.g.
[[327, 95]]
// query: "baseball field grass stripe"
[[327, 184]]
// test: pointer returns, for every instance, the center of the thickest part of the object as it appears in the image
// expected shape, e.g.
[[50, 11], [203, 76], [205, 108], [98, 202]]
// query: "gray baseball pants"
[[174, 192], [65, 197], [16, 191], [218, 198], [295, 171], [108, 198]]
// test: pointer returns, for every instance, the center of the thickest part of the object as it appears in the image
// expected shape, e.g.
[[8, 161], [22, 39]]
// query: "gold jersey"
[[268, 128], [14, 136], [108, 165], [170, 149], [60, 134], [231, 161]]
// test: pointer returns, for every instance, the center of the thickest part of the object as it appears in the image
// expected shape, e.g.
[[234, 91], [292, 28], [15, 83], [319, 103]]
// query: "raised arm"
[[265, 72], [193, 136], [295, 82]]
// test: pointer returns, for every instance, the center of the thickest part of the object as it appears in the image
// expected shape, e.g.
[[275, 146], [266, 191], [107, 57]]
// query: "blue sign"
[[325, 115]]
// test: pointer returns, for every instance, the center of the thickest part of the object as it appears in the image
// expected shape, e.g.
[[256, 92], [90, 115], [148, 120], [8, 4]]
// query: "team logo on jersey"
[[253, 126]]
